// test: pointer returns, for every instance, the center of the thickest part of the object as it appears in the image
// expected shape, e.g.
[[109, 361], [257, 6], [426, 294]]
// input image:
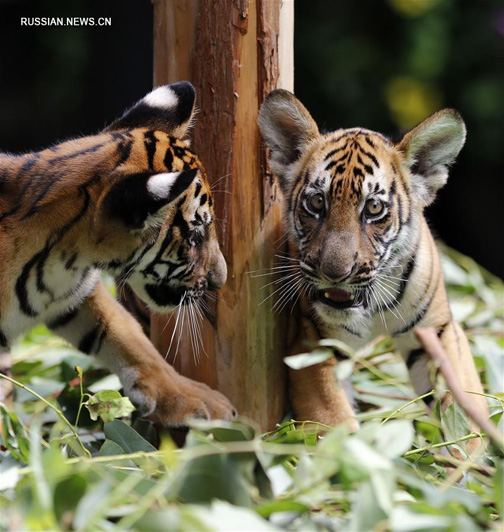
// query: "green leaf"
[[285, 505], [68, 494], [305, 360], [90, 506], [110, 448], [344, 369], [395, 438], [499, 487], [337, 345], [127, 438], [225, 431], [109, 405], [9, 473], [14, 435], [454, 423], [212, 477]]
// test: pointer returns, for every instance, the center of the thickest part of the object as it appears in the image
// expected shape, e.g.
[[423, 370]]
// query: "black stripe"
[[102, 337], [441, 329], [407, 274], [351, 331], [3, 179], [414, 356], [27, 166], [21, 288], [64, 319], [336, 150], [68, 156], [371, 156], [198, 189], [87, 341], [168, 158], [41, 286], [429, 399], [3, 339], [71, 261], [130, 301], [150, 141], [182, 182], [41, 195], [124, 150], [416, 319]]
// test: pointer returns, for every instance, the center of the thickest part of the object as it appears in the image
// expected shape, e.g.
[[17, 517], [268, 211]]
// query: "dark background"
[[383, 65]]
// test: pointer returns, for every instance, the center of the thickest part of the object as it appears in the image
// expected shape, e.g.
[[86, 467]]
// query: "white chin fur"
[[162, 97]]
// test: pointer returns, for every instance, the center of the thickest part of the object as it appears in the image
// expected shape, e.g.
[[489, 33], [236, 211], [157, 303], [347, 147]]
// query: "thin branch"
[[432, 346], [471, 436]]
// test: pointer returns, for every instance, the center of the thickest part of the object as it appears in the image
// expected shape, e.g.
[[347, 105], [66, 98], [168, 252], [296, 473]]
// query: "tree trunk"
[[234, 52]]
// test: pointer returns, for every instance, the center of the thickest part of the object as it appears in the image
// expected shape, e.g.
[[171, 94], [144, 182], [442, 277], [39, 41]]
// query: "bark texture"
[[229, 50]]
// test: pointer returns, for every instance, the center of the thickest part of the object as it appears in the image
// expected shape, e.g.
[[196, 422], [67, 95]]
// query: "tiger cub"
[[134, 201], [364, 253]]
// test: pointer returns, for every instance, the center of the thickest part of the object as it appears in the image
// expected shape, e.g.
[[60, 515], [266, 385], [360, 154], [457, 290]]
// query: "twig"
[[59, 413], [402, 407], [432, 345], [380, 394], [471, 436], [450, 460]]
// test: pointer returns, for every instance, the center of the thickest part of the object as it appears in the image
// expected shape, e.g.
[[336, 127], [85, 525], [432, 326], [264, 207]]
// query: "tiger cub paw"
[[169, 399]]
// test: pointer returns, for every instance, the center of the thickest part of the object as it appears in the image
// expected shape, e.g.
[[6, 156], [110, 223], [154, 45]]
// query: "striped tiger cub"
[[363, 257], [133, 201]]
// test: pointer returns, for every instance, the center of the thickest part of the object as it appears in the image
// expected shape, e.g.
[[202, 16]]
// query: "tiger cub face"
[[133, 200], [354, 200], [159, 207]]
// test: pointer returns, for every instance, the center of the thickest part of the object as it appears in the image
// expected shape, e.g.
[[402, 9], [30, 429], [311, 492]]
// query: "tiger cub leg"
[[135, 306], [317, 396], [458, 351], [102, 327], [315, 393]]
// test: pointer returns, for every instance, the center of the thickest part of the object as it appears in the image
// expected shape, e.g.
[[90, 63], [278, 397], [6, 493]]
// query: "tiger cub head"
[[155, 220], [353, 199]]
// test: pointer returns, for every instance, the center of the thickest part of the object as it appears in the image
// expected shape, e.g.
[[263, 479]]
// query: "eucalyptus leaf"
[[305, 360], [14, 435], [108, 405], [454, 423], [127, 438]]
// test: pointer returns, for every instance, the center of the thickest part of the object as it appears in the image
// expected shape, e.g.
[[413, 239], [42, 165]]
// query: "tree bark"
[[234, 52]]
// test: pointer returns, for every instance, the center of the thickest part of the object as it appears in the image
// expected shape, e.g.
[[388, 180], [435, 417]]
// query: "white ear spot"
[[159, 185], [162, 97]]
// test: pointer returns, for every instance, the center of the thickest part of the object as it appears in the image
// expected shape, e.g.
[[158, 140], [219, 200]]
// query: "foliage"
[[394, 474]]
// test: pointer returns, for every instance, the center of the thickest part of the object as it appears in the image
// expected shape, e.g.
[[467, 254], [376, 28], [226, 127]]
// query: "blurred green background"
[[379, 64]]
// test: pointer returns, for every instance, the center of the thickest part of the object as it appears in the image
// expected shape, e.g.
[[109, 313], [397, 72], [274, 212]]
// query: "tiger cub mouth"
[[340, 299]]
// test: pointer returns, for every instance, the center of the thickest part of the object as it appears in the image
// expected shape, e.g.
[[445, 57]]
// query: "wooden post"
[[234, 52]]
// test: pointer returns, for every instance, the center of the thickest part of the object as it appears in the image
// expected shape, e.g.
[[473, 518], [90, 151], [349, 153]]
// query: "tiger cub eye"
[[373, 207], [316, 203]]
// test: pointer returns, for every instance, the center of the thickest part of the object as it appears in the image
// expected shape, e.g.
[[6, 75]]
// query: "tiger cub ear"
[[169, 108], [138, 198], [287, 127], [429, 149]]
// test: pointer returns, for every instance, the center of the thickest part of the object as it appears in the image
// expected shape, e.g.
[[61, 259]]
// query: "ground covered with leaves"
[[75, 458]]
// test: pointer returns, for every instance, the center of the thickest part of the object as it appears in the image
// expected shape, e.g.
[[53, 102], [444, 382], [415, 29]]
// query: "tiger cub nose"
[[333, 273]]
